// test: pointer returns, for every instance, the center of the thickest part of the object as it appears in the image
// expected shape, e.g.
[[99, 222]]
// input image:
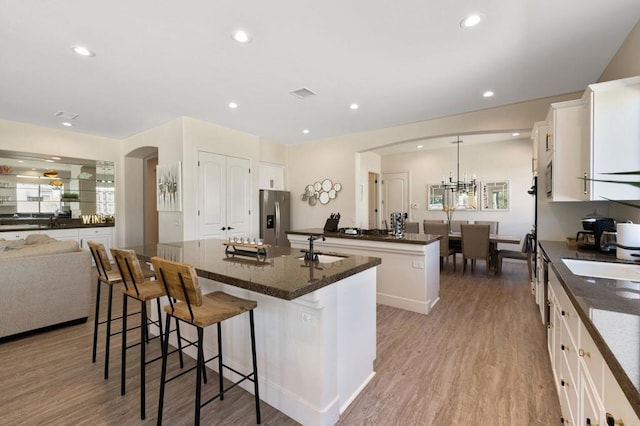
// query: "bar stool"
[[105, 275], [181, 282], [138, 288]]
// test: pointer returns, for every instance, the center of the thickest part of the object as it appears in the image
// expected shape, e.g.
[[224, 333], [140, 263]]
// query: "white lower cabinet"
[[102, 235], [63, 234], [17, 235], [589, 393]]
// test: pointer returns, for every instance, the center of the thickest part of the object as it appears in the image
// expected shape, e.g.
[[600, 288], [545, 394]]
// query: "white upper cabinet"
[[563, 145], [611, 137], [271, 177]]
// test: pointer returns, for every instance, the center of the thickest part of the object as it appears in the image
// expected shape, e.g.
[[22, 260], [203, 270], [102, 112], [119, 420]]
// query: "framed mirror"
[[465, 200], [436, 197], [495, 195]]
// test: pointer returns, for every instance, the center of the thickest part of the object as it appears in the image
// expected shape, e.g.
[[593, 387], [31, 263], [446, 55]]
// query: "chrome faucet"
[[612, 245]]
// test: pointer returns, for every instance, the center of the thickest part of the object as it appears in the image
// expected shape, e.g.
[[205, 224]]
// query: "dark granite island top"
[[615, 302], [281, 274], [419, 239]]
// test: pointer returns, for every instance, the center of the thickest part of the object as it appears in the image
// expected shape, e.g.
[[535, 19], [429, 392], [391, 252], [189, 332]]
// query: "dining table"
[[493, 238]]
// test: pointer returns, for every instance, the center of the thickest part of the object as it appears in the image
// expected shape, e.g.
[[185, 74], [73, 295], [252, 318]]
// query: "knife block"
[[331, 225]]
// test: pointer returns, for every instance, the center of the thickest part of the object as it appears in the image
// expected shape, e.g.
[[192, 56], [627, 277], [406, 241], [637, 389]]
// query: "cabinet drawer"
[[591, 359], [568, 314], [90, 232]]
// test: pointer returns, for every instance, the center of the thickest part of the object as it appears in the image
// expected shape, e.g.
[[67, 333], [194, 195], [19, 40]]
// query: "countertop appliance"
[[275, 216], [593, 226]]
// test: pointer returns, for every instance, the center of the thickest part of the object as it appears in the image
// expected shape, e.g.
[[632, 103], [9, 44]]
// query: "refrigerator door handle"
[[277, 221]]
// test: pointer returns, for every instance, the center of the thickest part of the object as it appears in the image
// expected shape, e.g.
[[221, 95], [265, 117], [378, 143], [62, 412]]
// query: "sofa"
[[44, 283]]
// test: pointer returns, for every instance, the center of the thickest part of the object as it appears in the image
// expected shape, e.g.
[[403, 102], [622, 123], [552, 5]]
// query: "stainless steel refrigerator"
[[274, 216]]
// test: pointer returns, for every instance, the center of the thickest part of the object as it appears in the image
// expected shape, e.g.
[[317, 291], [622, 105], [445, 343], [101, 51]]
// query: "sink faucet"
[[310, 254]]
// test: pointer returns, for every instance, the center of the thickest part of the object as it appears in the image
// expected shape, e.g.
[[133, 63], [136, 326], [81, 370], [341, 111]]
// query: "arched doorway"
[[141, 215]]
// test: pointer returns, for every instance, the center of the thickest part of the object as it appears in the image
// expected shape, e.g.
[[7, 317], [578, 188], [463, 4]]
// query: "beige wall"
[[333, 158], [626, 62], [505, 160]]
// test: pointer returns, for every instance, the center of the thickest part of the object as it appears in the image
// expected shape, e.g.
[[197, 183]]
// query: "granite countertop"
[[604, 305], [281, 274], [420, 239], [37, 223]]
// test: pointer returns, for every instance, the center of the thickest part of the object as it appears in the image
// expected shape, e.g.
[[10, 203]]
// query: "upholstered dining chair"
[[493, 225], [412, 227], [455, 225], [475, 245], [445, 251], [427, 221], [526, 254]]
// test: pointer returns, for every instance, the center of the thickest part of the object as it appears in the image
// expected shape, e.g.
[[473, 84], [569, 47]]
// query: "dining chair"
[[475, 245], [445, 251], [455, 225], [412, 227], [493, 225], [526, 254], [428, 221]]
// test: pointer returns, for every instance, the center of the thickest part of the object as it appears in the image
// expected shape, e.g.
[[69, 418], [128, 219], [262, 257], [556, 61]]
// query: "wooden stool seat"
[[216, 307], [147, 290]]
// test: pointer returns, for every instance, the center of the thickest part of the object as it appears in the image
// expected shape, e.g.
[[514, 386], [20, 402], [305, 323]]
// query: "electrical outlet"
[[309, 319], [414, 205], [418, 264]]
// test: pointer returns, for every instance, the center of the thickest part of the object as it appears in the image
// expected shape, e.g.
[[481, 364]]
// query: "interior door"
[[238, 197], [396, 193], [225, 196], [212, 179]]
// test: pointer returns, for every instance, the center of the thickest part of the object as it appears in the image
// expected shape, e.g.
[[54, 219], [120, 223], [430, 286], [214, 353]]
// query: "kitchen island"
[[315, 323], [409, 277]]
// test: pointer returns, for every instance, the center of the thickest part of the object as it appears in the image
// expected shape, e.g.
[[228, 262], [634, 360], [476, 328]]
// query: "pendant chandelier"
[[461, 186]]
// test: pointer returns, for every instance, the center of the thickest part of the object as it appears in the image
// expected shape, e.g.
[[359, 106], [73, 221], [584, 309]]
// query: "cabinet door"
[[101, 235], [17, 235], [591, 408], [615, 136], [271, 177], [567, 151], [63, 234]]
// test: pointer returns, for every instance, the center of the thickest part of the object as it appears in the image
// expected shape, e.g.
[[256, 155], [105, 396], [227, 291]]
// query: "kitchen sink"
[[327, 258], [614, 271]]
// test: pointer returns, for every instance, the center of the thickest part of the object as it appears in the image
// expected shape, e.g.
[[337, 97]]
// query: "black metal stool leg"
[[220, 375], [255, 367], [106, 349], [144, 338], [159, 318], [123, 364], [163, 375], [200, 366], [95, 322]]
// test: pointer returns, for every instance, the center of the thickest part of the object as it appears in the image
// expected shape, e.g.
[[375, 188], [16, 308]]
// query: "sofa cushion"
[[40, 249], [11, 245], [39, 239]]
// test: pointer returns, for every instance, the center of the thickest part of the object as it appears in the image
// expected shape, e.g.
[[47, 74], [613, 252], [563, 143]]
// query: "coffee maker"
[[593, 226]]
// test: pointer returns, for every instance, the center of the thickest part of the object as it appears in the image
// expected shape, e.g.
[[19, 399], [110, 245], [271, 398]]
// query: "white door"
[[224, 191], [396, 193], [238, 197]]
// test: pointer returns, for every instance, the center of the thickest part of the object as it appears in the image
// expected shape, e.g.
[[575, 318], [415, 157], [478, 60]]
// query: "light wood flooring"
[[479, 358]]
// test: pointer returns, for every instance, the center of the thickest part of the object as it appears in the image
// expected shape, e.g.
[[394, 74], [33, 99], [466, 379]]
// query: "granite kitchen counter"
[[605, 307], [409, 238], [282, 274]]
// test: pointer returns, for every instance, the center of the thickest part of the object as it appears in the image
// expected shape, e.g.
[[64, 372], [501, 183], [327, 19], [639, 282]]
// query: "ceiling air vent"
[[66, 115], [303, 93]]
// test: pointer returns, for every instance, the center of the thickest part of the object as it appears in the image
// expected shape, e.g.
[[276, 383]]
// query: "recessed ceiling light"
[[515, 134], [488, 94], [56, 158], [66, 124], [471, 21], [50, 161], [83, 51], [233, 105], [20, 161], [354, 106], [305, 131], [241, 36], [419, 146]]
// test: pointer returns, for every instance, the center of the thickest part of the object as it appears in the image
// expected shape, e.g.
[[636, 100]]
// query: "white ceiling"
[[444, 142], [401, 61]]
